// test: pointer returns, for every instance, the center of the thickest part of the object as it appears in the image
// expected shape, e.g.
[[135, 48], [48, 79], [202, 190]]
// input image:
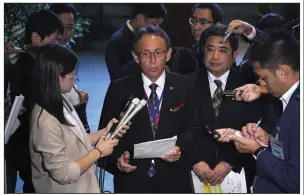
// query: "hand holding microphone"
[[131, 109]]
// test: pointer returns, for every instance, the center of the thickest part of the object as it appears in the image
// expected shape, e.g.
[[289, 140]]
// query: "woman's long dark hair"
[[53, 60]]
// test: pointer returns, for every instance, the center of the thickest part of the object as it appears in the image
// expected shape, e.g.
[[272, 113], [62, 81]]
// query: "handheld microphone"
[[129, 107], [128, 117]]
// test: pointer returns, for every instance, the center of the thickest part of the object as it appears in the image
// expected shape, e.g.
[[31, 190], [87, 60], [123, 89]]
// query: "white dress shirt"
[[130, 27], [159, 90], [72, 117], [160, 85], [212, 84], [286, 97], [73, 96]]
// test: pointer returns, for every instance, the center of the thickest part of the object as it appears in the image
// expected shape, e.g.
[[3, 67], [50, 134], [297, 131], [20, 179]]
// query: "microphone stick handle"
[[128, 118]]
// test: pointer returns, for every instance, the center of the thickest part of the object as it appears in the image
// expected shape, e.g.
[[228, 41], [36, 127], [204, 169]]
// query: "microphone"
[[128, 117], [128, 108]]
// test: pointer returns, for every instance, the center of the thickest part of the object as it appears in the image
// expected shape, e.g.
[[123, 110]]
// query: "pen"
[[227, 35], [257, 126]]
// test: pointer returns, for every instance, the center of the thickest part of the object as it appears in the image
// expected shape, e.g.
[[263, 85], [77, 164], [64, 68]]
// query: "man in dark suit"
[[202, 16], [79, 98], [276, 60], [119, 49], [212, 160], [168, 174]]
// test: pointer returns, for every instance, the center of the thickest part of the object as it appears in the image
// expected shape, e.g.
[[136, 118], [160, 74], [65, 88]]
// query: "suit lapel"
[[230, 85], [77, 127], [204, 91], [166, 103], [294, 97], [139, 92]]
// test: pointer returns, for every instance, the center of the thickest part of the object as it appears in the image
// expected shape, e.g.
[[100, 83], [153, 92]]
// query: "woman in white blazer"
[[62, 153]]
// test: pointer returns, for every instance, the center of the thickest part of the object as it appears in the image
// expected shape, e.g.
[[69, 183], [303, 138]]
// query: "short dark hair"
[[59, 8], [217, 13], [44, 23], [216, 30], [151, 30], [271, 22], [53, 60], [272, 50], [149, 10]]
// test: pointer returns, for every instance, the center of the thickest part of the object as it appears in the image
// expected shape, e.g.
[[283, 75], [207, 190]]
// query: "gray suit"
[[54, 148]]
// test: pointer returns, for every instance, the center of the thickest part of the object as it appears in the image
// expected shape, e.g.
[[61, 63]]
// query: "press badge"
[[277, 147]]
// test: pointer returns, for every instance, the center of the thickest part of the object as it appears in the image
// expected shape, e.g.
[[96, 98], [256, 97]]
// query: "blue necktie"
[[154, 104], [154, 101]]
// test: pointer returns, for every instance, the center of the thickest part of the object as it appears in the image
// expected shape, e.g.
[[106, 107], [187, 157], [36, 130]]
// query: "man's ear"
[[235, 54], [35, 37], [135, 57], [168, 55], [283, 71], [140, 20]]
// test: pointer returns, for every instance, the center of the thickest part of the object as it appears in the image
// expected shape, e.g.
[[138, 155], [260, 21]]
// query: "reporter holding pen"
[[276, 60], [61, 151]]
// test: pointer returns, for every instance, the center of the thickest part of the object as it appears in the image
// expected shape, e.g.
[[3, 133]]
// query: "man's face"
[[69, 22], [218, 57], [151, 21], [38, 42], [152, 54], [204, 16], [269, 79]]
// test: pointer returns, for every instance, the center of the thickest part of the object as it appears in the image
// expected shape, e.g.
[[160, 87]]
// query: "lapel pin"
[[171, 88]]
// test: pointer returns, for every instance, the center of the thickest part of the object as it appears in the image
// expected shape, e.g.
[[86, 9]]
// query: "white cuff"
[[252, 34]]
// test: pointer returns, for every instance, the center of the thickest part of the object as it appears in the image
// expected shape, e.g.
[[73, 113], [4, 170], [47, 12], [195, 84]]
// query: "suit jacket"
[[54, 150], [119, 50], [232, 114], [282, 176], [171, 177]]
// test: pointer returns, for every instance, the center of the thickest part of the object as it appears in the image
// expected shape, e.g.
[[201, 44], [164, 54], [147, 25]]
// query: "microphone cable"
[[102, 173]]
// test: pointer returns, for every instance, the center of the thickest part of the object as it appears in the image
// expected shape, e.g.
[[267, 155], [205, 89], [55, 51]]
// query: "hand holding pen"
[[254, 131], [255, 128]]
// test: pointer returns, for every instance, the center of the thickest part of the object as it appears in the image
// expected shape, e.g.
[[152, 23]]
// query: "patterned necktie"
[[154, 104], [154, 101], [217, 97]]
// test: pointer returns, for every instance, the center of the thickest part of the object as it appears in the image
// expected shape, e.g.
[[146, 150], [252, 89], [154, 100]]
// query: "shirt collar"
[[223, 78], [286, 97], [160, 81], [130, 27]]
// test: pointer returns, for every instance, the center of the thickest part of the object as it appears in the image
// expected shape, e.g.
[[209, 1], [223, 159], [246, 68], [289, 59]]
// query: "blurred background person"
[[79, 98]]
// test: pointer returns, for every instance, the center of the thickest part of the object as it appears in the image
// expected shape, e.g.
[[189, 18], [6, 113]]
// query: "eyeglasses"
[[202, 22], [149, 54]]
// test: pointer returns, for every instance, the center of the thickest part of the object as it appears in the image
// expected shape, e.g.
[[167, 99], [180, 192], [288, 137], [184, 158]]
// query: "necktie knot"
[[218, 83], [153, 87]]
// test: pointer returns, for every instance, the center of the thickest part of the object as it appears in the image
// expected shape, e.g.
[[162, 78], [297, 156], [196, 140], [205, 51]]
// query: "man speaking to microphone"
[[163, 117]]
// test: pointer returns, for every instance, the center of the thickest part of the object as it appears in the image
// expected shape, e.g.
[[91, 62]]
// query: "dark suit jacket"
[[171, 177], [118, 51], [127, 69], [232, 114], [276, 175]]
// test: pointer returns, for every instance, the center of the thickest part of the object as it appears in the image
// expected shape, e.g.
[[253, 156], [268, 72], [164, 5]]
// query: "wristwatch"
[[257, 151]]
